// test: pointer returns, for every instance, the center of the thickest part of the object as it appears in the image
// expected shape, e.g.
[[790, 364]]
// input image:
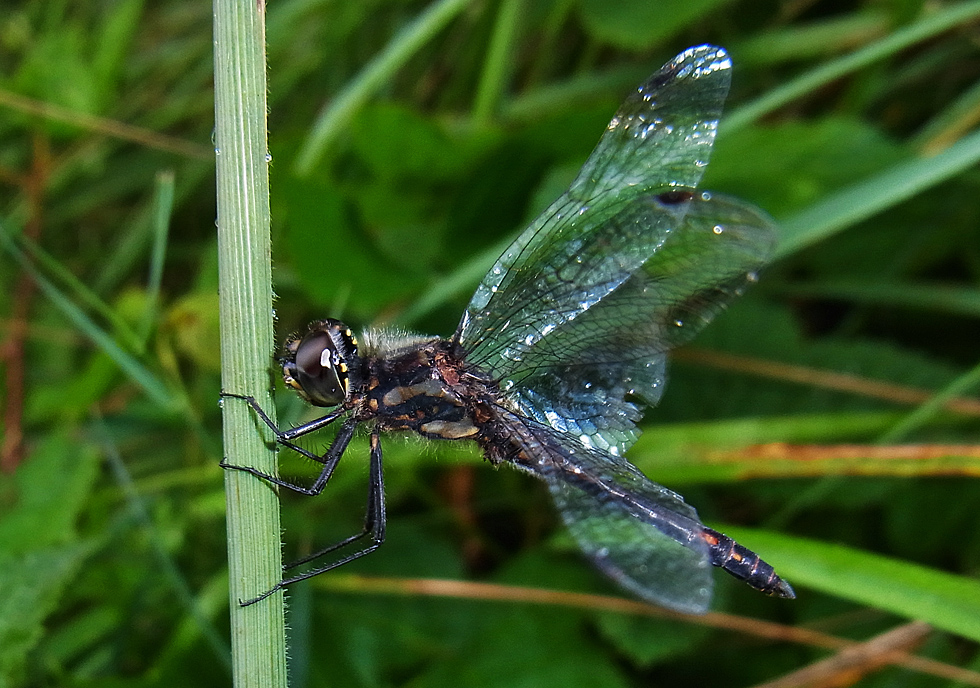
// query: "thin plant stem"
[[245, 283], [338, 113]]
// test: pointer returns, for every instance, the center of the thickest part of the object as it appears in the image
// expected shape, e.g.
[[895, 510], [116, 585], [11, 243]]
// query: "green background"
[[828, 420]]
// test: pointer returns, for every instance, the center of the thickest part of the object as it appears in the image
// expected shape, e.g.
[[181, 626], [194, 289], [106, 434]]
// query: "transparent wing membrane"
[[575, 317], [641, 534]]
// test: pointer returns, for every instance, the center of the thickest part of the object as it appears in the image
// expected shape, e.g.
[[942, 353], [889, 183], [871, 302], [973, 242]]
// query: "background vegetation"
[[833, 410]]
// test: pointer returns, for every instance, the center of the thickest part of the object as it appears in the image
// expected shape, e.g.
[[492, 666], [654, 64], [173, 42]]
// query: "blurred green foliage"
[[112, 553]]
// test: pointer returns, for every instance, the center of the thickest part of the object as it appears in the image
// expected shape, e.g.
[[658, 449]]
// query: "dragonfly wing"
[[659, 141], [642, 535], [590, 401], [702, 266], [664, 130], [579, 377], [576, 315]]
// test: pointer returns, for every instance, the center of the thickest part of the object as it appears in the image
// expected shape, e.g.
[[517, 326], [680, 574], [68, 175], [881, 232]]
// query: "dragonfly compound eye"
[[319, 371]]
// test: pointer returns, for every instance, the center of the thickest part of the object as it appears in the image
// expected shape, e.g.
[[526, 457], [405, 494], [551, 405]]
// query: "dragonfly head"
[[318, 364]]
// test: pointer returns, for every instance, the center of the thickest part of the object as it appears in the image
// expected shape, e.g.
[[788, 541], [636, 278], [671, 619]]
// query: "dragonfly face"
[[317, 366], [564, 339]]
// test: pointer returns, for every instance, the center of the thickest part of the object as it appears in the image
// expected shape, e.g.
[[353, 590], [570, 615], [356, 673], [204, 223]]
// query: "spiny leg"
[[375, 520], [285, 437], [329, 461]]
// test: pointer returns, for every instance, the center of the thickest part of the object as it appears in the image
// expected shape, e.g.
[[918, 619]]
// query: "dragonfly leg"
[[374, 528], [285, 437], [329, 461]]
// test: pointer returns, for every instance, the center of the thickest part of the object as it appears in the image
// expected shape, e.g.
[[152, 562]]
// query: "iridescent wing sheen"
[[578, 377], [578, 312], [659, 140], [640, 534]]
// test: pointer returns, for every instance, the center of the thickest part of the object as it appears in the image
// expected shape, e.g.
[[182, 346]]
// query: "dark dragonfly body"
[[563, 339]]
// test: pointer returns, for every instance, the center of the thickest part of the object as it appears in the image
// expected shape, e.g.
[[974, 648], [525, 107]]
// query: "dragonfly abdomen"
[[745, 565]]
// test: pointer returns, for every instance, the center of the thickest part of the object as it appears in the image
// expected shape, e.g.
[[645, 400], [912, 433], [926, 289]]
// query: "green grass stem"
[[245, 283], [335, 116]]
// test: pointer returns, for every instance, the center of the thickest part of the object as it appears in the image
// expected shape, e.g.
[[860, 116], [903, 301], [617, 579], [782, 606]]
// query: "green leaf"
[[761, 332], [342, 110], [790, 165], [947, 601], [41, 553], [331, 256], [395, 142], [48, 491], [32, 584], [544, 646], [860, 201], [812, 39], [723, 451], [647, 640], [935, 298]]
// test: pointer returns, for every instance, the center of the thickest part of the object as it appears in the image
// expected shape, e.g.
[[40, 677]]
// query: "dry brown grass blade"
[[825, 379], [877, 649], [105, 126], [853, 663]]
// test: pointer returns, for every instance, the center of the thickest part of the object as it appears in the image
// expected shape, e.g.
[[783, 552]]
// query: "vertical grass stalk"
[[497, 66], [245, 283], [335, 116]]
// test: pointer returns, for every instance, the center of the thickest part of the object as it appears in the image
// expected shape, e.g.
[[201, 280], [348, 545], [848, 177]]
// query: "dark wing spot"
[[675, 197]]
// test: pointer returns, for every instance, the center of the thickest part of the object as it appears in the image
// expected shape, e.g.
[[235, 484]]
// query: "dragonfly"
[[562, 345]]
